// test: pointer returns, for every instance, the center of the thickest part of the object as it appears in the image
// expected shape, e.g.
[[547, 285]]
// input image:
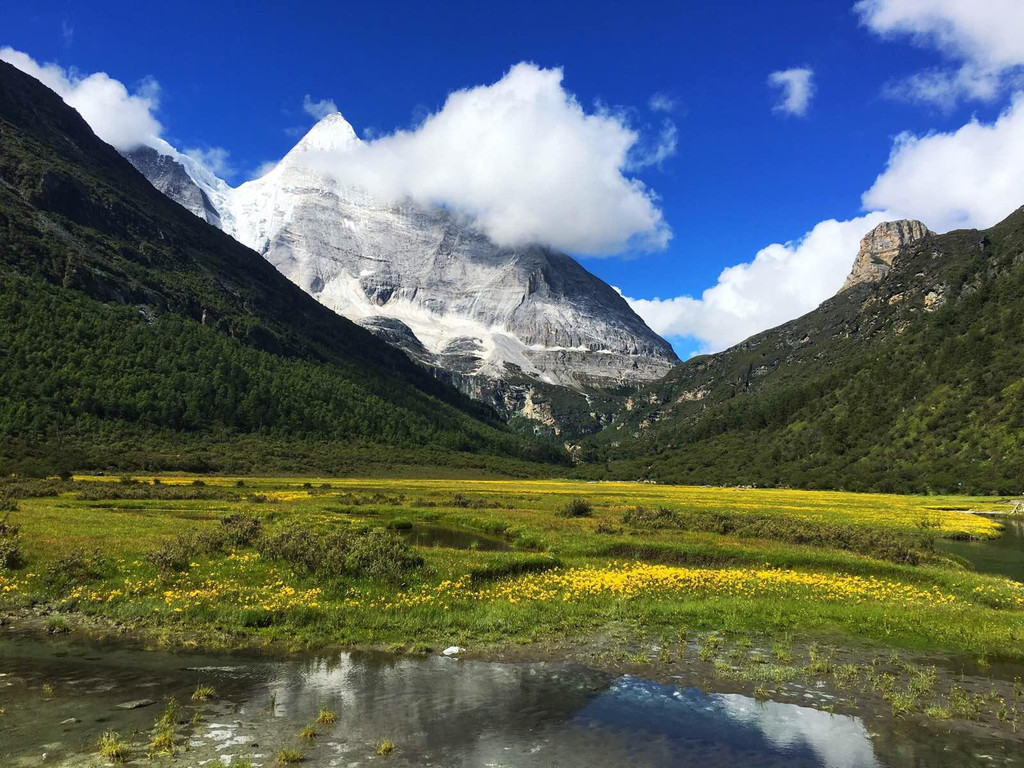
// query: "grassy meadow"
[[325, 562]]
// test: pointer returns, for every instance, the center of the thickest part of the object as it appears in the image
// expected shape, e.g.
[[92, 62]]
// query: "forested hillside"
[[134, 335], [914, 383]]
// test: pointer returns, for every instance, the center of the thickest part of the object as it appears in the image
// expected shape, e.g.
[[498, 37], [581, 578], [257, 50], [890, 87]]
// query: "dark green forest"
[[912, 385]]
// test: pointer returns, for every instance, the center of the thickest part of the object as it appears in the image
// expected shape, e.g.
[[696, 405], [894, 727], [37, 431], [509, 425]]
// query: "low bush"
[[240, 530], [10, 545], [176, 554], [578, 507], [235, 531], [375, 553], [74, 569]]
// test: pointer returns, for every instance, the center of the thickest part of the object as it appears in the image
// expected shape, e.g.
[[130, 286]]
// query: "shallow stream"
[[59, 696], [1003, 556]]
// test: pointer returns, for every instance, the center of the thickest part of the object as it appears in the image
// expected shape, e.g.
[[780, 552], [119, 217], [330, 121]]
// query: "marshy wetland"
[[657, 624]]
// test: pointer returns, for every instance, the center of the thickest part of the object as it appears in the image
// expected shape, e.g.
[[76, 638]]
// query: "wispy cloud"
[[983, 41], [67, 33], [318, 109], [661, 102], [796, 89]]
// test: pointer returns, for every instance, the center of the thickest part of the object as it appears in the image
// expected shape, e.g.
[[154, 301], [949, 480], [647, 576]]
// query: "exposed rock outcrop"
[[880, 247]]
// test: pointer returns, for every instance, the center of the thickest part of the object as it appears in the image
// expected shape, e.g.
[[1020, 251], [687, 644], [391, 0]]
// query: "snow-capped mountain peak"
[[331, 133], [425, 279]]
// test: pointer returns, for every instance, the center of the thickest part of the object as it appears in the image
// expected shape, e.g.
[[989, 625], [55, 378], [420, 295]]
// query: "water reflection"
[[439, 711], [730, 729], [1003, 556], [454, 538]]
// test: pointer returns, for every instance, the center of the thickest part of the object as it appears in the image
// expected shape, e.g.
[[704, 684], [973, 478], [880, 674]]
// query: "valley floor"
[[759, 586]]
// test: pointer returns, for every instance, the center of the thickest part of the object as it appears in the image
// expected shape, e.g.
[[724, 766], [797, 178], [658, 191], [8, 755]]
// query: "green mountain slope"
[[134, 335], [913, 383]]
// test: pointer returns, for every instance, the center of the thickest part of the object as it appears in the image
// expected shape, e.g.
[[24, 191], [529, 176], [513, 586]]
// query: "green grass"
[[480, 598]]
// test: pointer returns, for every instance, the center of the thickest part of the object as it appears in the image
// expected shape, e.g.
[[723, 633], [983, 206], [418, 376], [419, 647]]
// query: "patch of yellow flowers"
[[633, 580], [574, 585]]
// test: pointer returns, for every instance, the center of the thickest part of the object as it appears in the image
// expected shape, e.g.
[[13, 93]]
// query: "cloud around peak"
[[318, 109], [120, 117], [526, 162]]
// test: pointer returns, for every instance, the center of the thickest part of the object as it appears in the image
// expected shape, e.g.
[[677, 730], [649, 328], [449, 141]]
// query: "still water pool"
[[59, 697]]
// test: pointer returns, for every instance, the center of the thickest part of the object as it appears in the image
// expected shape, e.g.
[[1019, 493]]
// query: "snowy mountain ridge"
[[424, 278]]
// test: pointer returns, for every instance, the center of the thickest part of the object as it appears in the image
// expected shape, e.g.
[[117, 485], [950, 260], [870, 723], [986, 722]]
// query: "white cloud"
[[783, 281], [796, 88], [526, 162], [971, 177], [985, 38], [117, 116], [318, 109]]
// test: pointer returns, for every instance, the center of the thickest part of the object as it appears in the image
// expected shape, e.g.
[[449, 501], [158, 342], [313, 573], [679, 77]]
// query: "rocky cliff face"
[[170, 177], [425, 280], [880, 247]]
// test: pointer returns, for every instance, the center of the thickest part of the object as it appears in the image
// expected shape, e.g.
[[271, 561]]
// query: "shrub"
[[578, 507], [380, 554], [644, 517], [10, 545], [8, 504], [176, 554], [74, 569], [375, 553], [240, 530]]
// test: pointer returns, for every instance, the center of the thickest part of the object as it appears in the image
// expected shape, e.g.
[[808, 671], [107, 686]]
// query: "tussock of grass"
[[384, 747], [113, 747], [326, 716], [203, 692]]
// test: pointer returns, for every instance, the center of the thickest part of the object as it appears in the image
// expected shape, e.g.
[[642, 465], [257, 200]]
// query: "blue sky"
[[743, 175]]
